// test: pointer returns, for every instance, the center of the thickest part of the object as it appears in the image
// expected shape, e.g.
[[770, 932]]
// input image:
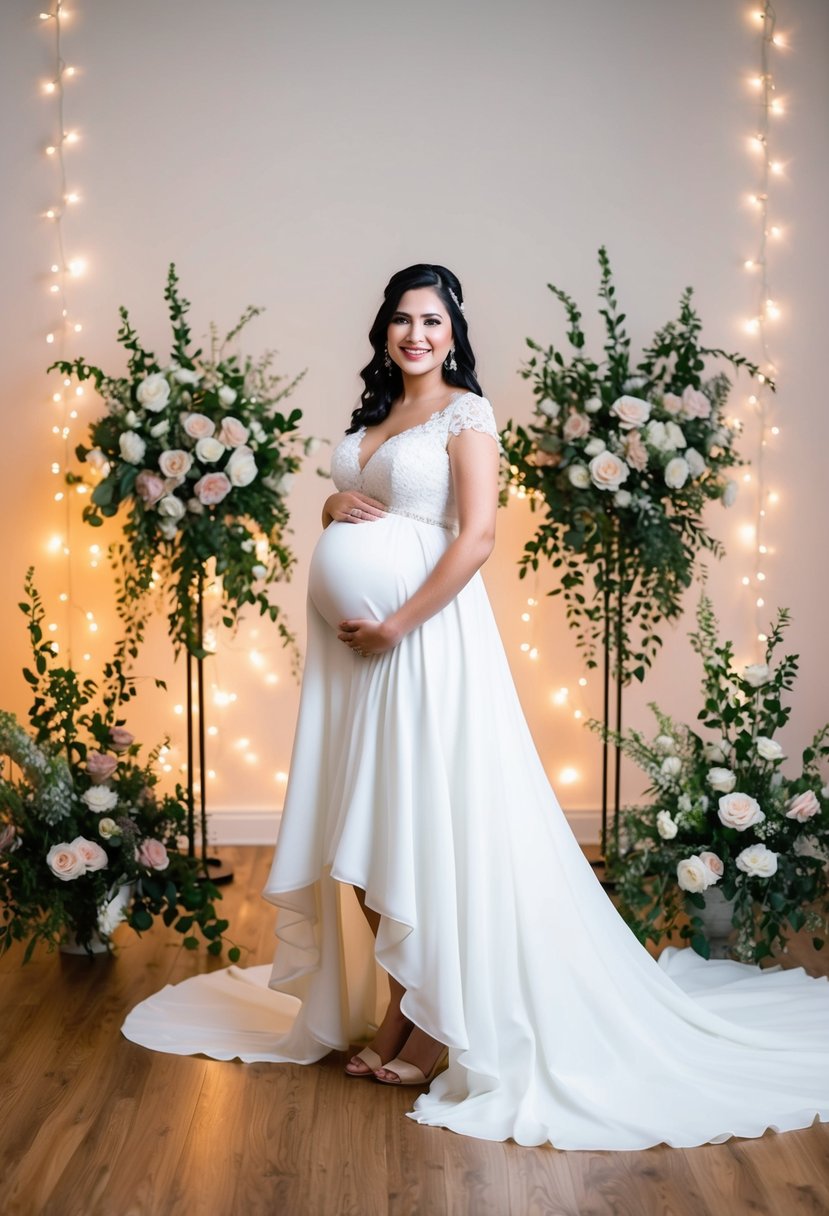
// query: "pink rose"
[[198, 426], [90, 853], [576, 427], [631, 412], [152, 854], [695, 404], [149, 487], [672, 404], [65, 862], [121, 738], [175, 463], [714, 864], [739, 811], [100, 766], [636, 454], [212, 488], [607, 471], [803, 807], [233, 433]]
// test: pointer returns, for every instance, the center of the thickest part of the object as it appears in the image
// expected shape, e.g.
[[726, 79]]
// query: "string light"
[[766, 310]]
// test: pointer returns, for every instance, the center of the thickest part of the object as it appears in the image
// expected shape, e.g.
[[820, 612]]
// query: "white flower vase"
[[716, 922], [110, 916]]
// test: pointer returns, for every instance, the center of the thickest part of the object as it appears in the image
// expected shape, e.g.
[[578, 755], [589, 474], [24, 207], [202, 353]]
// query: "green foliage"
[[686, 839], [632, 540], [77, 750], [174, 534]]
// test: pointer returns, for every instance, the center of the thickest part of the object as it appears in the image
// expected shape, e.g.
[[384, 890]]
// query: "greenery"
[[723, 813], [80, 816], [201, 457], [622, 458]]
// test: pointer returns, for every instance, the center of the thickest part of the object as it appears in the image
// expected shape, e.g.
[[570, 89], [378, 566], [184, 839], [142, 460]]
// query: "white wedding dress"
[[414, 777]]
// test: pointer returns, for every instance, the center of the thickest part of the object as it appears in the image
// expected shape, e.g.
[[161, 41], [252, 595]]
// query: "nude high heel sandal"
[[410, 1074], [369, 1058]]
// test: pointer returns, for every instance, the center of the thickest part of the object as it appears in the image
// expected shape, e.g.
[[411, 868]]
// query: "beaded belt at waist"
[[423, 519]]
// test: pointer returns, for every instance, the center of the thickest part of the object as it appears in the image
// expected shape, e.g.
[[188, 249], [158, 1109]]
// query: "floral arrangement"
[[723, 814], [622, 458], [202, 459], [81, 819]]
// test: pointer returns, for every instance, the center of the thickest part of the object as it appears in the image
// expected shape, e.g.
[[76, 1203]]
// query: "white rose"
[[132, 447], [739, 811], [97, 459], [803, 807], [153, 392], [665, 826], [209, 450], [692, 873], [715, 751], [676, 472], [593, 405], [100, 798], [227, 395], [160, 428], [241, 467], [671, 766], [186, 375], [696, 462], [131, 418], [769, 749], [623, 498], [671, 404], [579, 476], [730, 493], [259, 433], [168, 528], [684, 802], [551, 408], [674, 436], [757, 860], [259, 571], [722, 780], [656, 435], [108, 828], [65, 862], [171, 507], [198, 426], [664, 744], [607, 471], [757, 674], [175, 463], [594, 446], [631, 412]]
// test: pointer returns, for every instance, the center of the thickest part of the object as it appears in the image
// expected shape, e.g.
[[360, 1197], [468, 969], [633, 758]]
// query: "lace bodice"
[[410, 471]]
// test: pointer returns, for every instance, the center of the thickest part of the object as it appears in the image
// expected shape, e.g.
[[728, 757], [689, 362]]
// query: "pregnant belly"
[[368, 570]]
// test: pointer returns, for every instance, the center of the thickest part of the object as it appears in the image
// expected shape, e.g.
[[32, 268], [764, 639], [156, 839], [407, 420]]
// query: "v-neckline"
[[417, 426]]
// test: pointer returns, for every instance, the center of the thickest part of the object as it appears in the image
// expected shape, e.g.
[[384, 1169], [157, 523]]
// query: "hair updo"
[[384, 384]]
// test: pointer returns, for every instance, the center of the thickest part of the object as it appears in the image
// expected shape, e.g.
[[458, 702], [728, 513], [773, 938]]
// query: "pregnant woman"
[[417, 796]]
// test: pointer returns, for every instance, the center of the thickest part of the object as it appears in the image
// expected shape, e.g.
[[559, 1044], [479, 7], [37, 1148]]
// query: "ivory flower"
[[665, 825], [693, 874], [65, 862], [153, 392], [631, 412], [757, 860], [132, 447], [100, 798], [803, 807], [607, 471], [739, 811]]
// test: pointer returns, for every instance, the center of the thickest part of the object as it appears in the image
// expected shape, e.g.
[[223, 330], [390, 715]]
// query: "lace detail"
[[474, 413]]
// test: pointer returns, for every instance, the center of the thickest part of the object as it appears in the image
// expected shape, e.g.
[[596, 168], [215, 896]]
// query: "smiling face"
[[419, 335]]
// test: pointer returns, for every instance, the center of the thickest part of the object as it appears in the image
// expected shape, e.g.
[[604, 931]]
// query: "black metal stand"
[[213, 867], [609, 623]]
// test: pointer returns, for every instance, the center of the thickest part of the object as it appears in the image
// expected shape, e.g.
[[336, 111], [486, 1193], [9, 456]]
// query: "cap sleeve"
[[473, 413]]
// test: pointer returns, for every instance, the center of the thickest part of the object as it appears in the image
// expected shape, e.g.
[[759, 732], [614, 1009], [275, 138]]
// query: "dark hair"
[[383, 384]]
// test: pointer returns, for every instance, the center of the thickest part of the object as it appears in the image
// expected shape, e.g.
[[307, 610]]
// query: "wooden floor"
[[92, 1125]]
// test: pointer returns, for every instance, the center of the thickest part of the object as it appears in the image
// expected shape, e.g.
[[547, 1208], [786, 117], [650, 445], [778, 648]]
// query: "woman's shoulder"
[[472, 411]]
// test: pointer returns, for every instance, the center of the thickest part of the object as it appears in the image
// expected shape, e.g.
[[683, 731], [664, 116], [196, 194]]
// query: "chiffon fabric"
[[414, 777]]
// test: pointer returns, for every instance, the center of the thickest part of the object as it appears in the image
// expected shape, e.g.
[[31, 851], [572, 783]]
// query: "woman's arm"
[[339, 507], [474, 459]]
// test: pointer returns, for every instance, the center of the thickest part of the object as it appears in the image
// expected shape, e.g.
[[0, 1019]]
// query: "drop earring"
[[387, 358], [450, 361]]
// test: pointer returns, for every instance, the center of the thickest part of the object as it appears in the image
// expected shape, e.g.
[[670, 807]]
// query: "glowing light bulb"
[[761, 578], [525, 646], [582, 681], [241, 743], [525, 616], [178, 709], [568, 775], [760, 602], [745, 580], [280, 776], [762, 637], [774, 497], [578, 714], [212, 730]]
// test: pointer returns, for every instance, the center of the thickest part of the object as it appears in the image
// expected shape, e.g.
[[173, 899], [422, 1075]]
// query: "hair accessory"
[[455, 298]]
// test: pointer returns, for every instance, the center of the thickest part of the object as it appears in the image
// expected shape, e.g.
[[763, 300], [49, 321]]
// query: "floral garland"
[[723, 812], [201, 457], [622, 459], [83, 817]]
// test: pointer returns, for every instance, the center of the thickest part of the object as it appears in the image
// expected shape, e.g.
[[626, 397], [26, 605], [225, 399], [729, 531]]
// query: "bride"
[[429, 890]]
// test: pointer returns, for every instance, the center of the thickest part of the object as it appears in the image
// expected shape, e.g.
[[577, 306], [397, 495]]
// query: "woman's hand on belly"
[[367, 638], [351, 507]]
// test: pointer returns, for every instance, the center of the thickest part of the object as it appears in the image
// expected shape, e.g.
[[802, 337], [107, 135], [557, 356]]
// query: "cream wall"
[[294, 156]]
